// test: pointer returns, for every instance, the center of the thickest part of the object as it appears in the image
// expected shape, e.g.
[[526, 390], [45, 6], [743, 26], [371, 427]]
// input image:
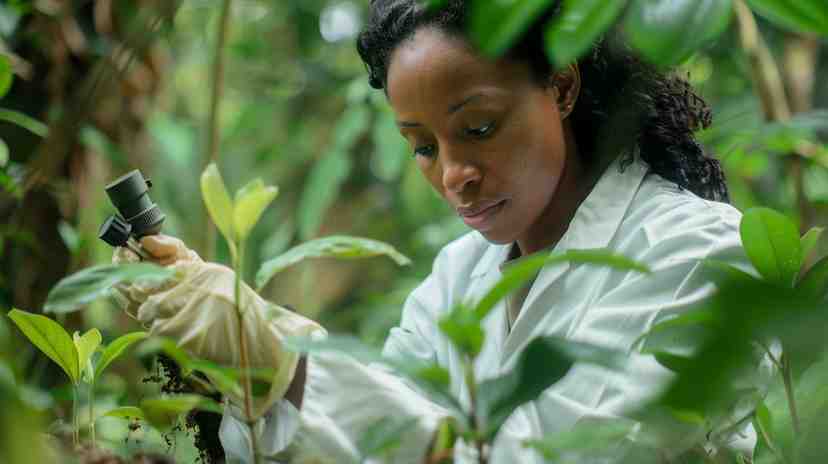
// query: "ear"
[[566, 83]]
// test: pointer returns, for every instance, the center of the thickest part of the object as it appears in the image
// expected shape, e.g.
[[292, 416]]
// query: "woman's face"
[[484, 133]]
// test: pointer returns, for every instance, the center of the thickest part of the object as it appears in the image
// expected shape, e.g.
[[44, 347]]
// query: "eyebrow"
[[451, 110]]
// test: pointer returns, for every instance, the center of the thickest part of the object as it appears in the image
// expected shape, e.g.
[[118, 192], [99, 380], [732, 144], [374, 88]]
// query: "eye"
[[480, 132], [425, 150]]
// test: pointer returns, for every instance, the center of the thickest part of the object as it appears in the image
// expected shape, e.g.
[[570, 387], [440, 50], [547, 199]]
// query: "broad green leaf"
[[579, 25], [587, 437], [520, 273], [809, 241], [83, 287], [495, 26], [815, 281], [337, 246], [250, 202], [218, 202], [543, 362], [86, 346], [772, 243], [464, 329], [50, 338], [6, 75], [796, 15], [168, 347], [667, 32], [384, 436], [25, 121], [125, 412], [162, 412], [115, 350]]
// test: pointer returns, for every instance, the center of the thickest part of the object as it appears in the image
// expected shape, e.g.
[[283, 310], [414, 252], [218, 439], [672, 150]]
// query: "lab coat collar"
[[597, 219]]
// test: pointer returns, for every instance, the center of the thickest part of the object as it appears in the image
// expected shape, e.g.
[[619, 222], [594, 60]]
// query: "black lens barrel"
[[130, 195]]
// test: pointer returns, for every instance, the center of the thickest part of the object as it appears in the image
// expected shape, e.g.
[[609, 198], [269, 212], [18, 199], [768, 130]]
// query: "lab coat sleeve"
[[343, 398]]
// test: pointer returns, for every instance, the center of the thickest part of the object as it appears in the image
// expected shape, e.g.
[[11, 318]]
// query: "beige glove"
[[197, 309]]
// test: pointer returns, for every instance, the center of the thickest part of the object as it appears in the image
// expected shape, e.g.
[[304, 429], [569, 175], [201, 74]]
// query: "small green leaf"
[[115, 350], [25, 121], [809, 241], [6, 75], [218, 202], [495, 26], [464, 329], [579, 25], [337, 246], [764, 424], [80, 289], [544, 361], [4, 153], [226, 380], [667, 32], [520, 273], [51, 339], [383, 436], [86, 346], [163, 411], [772, 243], [125, 412], [674, 362], [796, 15], [815, 282], [250, 202]]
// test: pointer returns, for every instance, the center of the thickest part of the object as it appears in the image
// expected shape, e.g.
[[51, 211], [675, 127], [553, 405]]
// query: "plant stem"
[[92, 412], [244, 362], [789, 392], [471, 385], [75, 422]]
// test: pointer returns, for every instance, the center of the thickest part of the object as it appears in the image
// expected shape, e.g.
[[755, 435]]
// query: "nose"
[[458, 174]]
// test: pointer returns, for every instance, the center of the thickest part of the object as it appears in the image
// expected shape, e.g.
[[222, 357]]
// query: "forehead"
[[433, 67]]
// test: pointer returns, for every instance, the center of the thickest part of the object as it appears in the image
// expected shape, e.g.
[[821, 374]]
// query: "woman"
[[600, 154]]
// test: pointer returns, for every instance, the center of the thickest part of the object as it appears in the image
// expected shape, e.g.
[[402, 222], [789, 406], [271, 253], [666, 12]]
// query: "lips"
[[480, 215]]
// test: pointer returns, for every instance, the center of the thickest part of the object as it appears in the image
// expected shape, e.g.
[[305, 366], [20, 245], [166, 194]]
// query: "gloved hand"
[[197, 310]]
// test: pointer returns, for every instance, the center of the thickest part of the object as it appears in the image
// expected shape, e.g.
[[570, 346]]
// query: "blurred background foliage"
[[127, 84]]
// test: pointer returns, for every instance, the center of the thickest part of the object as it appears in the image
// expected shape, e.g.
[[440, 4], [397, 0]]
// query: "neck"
[[575, 184]]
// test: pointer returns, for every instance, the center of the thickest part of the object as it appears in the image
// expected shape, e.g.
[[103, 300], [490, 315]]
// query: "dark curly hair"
[[624, 102]]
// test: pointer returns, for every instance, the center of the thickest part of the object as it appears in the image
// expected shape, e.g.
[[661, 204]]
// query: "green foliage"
[[773, 245], [580, 24], [249, 204], [543, 362], [81, 288], [163, 412], [25, 121], [797, 15], [125, 412], [495, 26], [337, 246], [584, 441], [50, 338], [809, 242], [86, 345], [218, 202], [115, 349], [667, 32], [6, 75]]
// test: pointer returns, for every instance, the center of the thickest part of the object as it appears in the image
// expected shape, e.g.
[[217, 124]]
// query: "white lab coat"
[[633, 213]]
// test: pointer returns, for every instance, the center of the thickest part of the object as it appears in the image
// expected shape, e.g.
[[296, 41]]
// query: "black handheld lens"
[[130, 194]]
